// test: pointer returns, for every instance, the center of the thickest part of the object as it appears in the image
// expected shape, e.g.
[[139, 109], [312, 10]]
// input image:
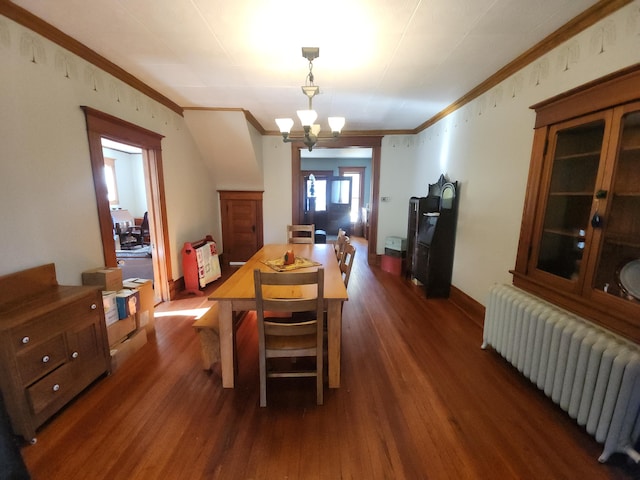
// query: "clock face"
[[447, 196]]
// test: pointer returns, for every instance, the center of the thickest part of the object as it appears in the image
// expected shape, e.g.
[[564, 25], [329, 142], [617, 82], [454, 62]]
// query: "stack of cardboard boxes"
[[128, 308]]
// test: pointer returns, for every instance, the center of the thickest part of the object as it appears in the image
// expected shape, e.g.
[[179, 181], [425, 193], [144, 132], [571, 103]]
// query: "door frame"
[[297, 195], [102, 125]]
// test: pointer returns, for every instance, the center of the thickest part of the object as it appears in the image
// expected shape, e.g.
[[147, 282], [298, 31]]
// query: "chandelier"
[[307, 117]]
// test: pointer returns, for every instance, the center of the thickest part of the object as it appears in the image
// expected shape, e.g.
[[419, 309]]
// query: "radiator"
[[589, 372]]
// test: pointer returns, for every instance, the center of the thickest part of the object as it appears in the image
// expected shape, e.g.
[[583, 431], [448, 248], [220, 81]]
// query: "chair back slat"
[[301, 234], [346, 262]]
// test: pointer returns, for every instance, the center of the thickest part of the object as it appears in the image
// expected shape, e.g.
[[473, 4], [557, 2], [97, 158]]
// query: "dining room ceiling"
[[385, 65]]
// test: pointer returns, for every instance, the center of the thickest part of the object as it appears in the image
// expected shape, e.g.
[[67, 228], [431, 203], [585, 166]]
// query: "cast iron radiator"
[[588, 371]]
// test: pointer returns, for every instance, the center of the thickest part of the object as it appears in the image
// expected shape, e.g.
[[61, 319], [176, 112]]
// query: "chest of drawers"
[[53, 344]]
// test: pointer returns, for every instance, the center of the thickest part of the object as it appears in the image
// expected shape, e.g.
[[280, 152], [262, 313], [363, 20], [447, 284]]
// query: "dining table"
[[237, 294]]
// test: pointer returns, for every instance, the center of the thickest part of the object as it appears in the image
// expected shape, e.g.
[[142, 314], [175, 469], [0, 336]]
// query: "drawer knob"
[[93, 306], [25, 340], [46, 359], [74, 355], [56, 387]]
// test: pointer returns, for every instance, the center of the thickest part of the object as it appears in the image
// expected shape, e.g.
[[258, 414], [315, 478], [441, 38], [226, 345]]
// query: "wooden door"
[[242, 235]]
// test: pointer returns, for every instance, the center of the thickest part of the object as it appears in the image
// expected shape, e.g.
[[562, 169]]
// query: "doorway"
[[103, 126], [127, 183], [298, 182]]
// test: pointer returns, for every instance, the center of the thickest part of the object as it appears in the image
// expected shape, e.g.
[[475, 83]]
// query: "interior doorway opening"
[[298, 187], [129, 191], [101, 126]]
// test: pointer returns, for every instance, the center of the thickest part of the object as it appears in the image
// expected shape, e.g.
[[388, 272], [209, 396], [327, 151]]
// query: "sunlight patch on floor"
[[192, 312]]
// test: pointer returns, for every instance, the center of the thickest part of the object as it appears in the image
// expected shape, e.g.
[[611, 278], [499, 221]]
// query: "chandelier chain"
[[310, 76]]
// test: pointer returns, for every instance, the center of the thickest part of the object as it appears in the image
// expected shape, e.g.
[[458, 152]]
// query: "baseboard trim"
[[473, 309]]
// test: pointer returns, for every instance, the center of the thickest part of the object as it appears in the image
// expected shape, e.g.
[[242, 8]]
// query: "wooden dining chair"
[[301, 233], [279, 338], [346, 262], [340, 243]]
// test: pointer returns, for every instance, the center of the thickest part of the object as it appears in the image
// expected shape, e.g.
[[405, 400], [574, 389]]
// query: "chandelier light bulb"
[[307, 117], [336, 124], [284, 124]]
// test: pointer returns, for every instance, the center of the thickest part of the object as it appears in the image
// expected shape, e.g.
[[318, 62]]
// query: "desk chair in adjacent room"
[[279, 338]]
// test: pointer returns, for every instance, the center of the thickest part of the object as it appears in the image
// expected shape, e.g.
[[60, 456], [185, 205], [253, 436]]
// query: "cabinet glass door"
[[618, 268], [576, 153]]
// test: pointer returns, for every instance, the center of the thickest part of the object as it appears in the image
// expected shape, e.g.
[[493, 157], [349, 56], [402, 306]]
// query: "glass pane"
[[340, 190], [618, 270], [571, 190], [355, 195], [317, 190]]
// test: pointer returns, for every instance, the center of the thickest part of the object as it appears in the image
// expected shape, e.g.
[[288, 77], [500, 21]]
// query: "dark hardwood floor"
[[419, 399]]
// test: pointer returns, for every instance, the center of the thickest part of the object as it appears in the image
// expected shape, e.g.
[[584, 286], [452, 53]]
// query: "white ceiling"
[[384, 64]]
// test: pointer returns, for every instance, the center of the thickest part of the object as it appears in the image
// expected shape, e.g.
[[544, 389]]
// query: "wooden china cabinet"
[[580, 237]]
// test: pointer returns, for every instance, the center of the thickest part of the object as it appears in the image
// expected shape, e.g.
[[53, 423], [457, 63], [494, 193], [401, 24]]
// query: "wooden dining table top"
[[240, 285]]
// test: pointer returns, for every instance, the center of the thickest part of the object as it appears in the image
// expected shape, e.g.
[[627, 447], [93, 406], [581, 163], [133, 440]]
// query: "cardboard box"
[[147, 302], [127, 301], [106, 278], [110, 307], [391, 264], [120, 329], [125, 349]]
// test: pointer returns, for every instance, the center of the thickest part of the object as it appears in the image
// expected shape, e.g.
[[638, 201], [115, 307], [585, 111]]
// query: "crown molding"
[[48, 31]]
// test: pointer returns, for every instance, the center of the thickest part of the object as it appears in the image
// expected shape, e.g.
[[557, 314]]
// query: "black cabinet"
[[431, 235]]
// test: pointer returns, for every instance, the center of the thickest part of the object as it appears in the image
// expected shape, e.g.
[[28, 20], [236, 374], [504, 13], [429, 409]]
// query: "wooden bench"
[[208, 329]]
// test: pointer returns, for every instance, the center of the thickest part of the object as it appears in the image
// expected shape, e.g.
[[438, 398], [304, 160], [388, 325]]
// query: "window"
[[319, 192], [112, 184], [357, 188]]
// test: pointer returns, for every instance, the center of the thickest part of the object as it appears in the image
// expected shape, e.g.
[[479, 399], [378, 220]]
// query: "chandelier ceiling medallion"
[[307, 117]]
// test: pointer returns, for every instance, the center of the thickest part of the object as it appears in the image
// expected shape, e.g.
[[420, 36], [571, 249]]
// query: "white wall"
[[397, 172], [277, 210], [130, 181], [48, 209]]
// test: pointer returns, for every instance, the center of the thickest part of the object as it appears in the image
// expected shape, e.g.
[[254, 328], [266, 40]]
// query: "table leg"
[[225, 318], [334, 331]]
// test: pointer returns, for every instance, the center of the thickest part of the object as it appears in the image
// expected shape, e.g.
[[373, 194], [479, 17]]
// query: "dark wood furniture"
[[581, 222], [431, 234], [53, 344]]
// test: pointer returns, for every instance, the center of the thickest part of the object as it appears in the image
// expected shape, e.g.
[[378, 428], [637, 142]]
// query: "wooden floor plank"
[[418, 399]]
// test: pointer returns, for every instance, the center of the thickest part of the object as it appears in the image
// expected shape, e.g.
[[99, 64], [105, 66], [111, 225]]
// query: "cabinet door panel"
[[572, 173], [620, 230], [84, 342]]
